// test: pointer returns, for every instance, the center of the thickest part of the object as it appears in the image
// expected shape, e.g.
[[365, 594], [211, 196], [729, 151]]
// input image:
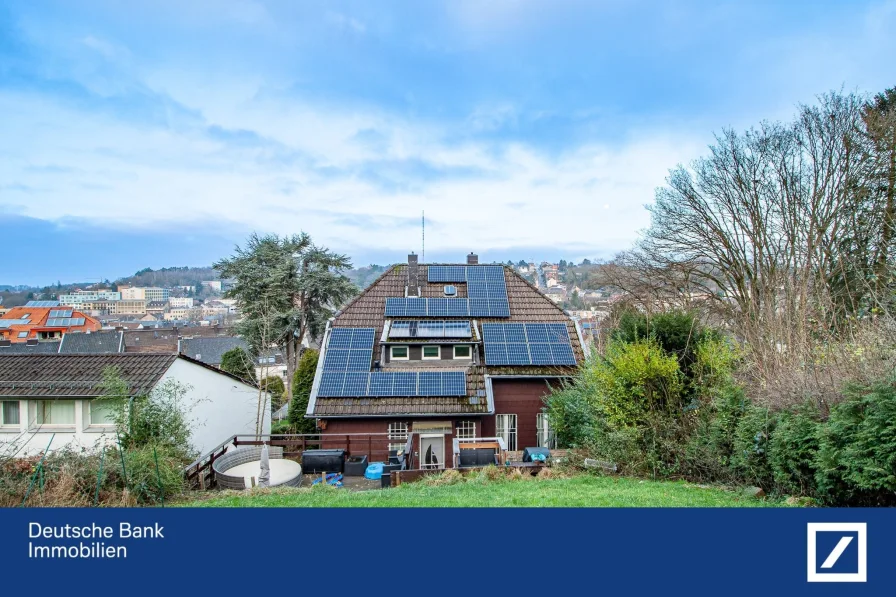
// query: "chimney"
[[472, 259], [413, 276]]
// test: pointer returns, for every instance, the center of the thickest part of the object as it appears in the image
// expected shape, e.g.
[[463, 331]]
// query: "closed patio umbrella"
[[264, 478]]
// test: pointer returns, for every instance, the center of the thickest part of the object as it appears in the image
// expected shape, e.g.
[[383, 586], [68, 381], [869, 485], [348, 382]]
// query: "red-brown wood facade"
[[522, 397]]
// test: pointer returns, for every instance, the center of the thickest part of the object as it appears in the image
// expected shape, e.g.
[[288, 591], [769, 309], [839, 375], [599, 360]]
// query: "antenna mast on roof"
[[423, 235]]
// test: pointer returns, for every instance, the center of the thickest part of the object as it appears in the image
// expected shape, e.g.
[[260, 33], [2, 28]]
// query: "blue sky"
[[161, 133]]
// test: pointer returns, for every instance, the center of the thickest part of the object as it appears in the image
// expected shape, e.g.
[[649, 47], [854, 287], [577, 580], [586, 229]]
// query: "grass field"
[[579, 491]]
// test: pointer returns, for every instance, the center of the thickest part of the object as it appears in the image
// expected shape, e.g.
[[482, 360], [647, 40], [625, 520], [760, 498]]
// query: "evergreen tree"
[[301, 392]]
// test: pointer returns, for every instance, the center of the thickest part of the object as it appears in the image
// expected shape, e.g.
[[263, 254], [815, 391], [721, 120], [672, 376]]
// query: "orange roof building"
[[44, 320]]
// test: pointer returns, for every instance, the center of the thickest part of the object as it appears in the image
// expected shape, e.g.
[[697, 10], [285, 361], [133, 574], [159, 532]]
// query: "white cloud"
[[112, 171]]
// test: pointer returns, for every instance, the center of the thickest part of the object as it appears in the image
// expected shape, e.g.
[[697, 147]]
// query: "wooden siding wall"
[[382, 426], [525, 399]]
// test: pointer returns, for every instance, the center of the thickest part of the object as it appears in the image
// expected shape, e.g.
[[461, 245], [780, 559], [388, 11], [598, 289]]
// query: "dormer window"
[[431, 353], [398, 353], [450, 290]]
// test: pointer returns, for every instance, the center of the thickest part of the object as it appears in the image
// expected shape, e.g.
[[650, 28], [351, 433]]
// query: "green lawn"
[[580, 491]]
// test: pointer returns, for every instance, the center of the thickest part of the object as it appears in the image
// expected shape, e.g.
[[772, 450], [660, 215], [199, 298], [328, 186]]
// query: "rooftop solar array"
[[447, 273], [486, 290], [42, 304], [430, 329], [61, 312], [527, 344], [7, 323], [349, 349], [335, 384], [64, 322]]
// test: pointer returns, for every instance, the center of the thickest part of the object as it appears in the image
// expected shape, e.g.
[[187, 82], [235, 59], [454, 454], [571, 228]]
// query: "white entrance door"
[[432, 451]]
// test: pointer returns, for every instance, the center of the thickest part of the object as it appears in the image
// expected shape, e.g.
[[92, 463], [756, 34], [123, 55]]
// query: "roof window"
[[450, 290]]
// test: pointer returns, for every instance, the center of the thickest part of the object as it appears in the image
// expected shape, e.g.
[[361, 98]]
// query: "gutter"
[[586, 348], [318, 374]]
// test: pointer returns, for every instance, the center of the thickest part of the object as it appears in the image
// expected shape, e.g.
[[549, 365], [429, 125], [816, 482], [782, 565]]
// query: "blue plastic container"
[[374, 470]]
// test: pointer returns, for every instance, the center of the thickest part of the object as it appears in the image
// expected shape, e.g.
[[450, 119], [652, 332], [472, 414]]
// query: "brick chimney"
[[413, 276], [472, 259]]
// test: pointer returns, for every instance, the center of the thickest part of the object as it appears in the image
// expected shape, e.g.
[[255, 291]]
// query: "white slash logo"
[[858, 557]]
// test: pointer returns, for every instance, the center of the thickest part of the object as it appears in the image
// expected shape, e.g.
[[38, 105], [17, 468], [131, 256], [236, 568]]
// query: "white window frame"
[[544, 435], [398, 430], [465, 430], [406, 357], [89, 413], [438, 352], [468, 347], [506, 427], [3, 423], [36, 417]]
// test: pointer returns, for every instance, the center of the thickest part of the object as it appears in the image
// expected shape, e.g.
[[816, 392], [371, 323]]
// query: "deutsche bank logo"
[[837, 551]]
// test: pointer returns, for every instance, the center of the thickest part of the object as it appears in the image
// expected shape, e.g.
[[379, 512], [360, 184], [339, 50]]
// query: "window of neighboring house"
[[431, 352], [398, 353], [55, 412], [465, 429], [102, 412], [9, 413], [462, 351], [23, 334], [544, 435], [398, 431], [505, 426]]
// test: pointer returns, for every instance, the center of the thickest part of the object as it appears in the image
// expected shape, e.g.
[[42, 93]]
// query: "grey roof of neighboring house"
[[210, 350], [22, 348], [92, 343], [60, 375]]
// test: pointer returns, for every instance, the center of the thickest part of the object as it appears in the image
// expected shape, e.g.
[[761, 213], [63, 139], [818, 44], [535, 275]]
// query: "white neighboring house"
[[43, 394]]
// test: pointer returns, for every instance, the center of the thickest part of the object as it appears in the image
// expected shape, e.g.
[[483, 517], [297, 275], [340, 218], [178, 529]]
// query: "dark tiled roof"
[[527, 304], [22, 348], [64, 375], [210, 350], [93, 343]]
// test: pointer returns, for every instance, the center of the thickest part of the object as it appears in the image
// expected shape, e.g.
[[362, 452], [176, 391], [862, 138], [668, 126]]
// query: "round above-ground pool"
[[238, 468]]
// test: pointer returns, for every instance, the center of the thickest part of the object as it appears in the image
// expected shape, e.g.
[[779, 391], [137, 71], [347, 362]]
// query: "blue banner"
[[452, 551]]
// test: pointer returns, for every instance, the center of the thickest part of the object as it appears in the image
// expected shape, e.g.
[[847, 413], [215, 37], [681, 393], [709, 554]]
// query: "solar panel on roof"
[[446, 273], [42, 304], [349, 349], [527, 344], [392, 383]]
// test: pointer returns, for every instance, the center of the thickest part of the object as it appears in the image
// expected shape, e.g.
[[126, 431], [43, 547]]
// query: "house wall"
[[222, 407], [525, 399], [79, 435], [339, 426]]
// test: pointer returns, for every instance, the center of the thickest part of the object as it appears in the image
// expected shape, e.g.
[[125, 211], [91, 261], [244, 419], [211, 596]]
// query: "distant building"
[[213, 285], [145, 293], [44, 320], [80, 297], [179, 301]]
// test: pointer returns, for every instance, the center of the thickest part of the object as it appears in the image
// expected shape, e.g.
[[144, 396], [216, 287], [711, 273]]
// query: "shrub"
[[301, 392], [146, 482], [275, 387], [634, 379], [793, 450], [237, 361], [159, 419], [856, 462], [749, 456]]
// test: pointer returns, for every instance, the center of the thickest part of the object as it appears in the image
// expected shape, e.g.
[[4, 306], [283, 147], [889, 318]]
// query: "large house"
[[54, 395], [44, 320], [438, 352]]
